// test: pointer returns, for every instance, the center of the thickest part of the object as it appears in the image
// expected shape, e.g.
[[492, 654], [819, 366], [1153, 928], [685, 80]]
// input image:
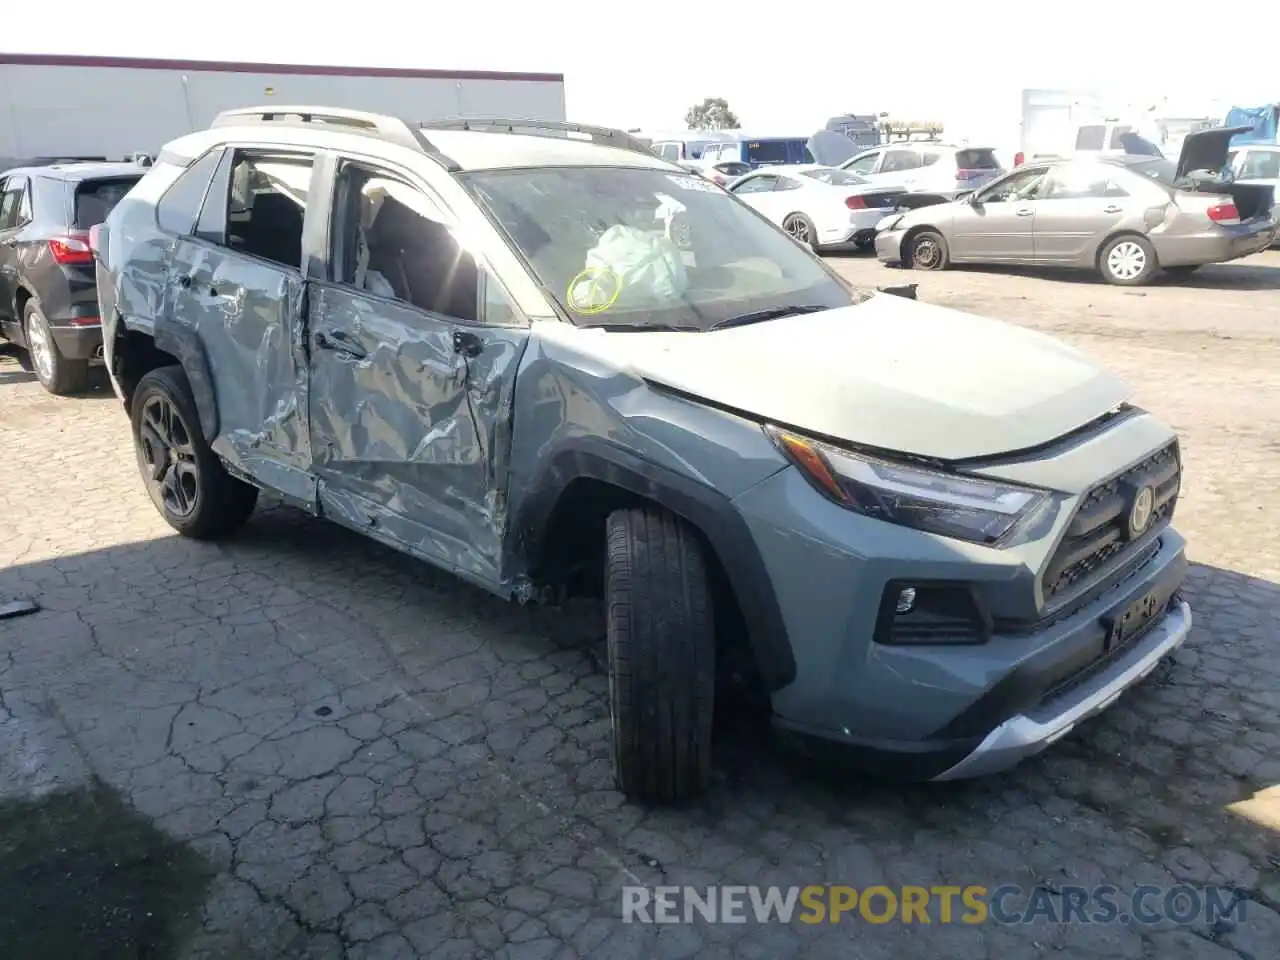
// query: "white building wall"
[[48, 110]]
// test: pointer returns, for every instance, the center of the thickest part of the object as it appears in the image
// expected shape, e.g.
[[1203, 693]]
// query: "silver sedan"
[[1126, 217]]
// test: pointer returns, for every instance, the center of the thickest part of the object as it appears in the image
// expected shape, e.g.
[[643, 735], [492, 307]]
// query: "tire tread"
[[661, 655]]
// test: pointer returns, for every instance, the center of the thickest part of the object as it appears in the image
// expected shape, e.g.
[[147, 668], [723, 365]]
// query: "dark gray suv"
[[540, 357], [48, 297]]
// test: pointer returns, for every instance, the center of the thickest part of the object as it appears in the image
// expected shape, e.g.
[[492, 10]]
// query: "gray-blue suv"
[[539, 356]]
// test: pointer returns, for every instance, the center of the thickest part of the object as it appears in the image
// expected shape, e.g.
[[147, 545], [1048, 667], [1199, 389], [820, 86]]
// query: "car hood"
[[1206, 150], [831, 149], [888, 373]]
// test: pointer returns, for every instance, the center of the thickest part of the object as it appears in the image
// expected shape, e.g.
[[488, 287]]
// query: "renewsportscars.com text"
[[972, 904]]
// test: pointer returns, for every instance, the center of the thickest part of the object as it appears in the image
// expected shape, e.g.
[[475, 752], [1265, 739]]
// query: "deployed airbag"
[[629, 267]]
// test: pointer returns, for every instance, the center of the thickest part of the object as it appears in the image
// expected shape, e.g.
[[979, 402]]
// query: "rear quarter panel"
[[133, 266]]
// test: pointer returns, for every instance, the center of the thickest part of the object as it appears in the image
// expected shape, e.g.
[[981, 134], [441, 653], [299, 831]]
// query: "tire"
[[1127, 260], [1181, 273], [801, 229], [928, 251], [193, 492], [661, 641], [57, 374]]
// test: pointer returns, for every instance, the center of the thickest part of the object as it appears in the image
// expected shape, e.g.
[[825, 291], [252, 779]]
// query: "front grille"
[[883, 201], [1097, 539]]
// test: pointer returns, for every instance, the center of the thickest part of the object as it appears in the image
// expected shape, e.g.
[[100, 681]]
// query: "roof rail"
[[543, 128], [385, 127]]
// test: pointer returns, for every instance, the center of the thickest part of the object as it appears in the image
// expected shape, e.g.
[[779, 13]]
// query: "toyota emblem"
[[1140, 513]]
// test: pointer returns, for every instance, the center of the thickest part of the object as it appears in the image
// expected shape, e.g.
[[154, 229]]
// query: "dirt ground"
[[300, 744]]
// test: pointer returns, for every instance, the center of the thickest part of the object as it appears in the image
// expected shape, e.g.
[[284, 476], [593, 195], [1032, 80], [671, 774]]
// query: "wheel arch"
[[915, 231], [137, 351], [586, 479], [1110, 238]]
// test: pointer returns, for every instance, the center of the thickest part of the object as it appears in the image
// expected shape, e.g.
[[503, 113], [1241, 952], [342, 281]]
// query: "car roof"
[[793, 168], [1118, 159], [469, 149], [79, 170]]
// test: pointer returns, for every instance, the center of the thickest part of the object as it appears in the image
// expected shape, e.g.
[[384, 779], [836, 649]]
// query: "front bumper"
[[930, 709], [889, 245], [1026, 734]]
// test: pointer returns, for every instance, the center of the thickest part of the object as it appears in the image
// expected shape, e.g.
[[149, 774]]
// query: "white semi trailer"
[[110, 107]]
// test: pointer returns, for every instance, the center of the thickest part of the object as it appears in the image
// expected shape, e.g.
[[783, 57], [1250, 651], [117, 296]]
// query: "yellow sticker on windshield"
[[594, 290]]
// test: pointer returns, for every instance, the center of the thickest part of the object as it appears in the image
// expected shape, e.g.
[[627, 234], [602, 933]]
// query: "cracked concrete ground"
[[377, 761]]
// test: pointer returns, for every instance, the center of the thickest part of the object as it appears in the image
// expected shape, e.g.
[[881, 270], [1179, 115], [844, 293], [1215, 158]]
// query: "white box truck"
[[112, 107]]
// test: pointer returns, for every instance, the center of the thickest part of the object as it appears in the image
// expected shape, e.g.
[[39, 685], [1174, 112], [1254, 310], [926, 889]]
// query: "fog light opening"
[[906, 600]]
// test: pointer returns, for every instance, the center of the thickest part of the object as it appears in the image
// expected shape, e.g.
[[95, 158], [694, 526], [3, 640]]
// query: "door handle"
[[1113, 209], [1024, 212], [339, 342]]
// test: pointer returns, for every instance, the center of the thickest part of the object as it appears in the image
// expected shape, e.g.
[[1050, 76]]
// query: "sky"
[[784, 69]]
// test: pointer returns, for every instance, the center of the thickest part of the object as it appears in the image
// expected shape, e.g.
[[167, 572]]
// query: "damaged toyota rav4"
[[542, 358]]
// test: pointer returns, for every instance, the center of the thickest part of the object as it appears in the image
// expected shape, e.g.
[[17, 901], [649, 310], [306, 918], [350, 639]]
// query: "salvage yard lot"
[[335, 751]]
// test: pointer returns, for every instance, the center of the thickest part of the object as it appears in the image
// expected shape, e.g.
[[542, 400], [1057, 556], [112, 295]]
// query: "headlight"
[[888, 223], [965, 508]]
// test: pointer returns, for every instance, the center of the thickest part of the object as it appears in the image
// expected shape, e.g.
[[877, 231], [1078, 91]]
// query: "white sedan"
[[1257, 163], [819, 206]]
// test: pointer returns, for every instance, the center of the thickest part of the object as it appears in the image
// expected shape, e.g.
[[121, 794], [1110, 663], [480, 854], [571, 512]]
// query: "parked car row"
[[1127, 213], [1128, 216]]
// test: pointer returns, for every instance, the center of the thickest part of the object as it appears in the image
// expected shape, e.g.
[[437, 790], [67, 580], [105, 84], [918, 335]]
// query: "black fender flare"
[[181, 341], [710, 511]]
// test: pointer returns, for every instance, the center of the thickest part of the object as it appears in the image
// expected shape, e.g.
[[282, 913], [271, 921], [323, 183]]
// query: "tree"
[[712, 113]]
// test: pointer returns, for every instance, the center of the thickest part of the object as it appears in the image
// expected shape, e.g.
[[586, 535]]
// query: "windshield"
[[644, 247], [835, 177]]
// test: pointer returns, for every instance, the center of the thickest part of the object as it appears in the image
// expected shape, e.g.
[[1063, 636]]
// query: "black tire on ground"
[[178, 467], [64, 376], [1179, 273], [801, 229], [927, 251], [1127, 260], [864, 245], [661, 640]]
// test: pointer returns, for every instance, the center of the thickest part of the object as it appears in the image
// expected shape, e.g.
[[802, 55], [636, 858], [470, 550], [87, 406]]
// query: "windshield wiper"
[[642, 327], [773, 313]]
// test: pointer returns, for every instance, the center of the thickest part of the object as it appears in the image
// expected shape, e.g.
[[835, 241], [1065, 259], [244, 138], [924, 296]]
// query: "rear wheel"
[[56, 373], [186, 480], [928, 251], [801, 229], [661, 642], [1128, 261]]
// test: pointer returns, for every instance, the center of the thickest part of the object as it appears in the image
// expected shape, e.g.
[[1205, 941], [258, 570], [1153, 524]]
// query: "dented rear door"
[[239, 305]]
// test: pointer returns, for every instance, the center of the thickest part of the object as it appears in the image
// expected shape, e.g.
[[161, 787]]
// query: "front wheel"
[[186, 480], [661, 642], [928, 251], [1128, 261]]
